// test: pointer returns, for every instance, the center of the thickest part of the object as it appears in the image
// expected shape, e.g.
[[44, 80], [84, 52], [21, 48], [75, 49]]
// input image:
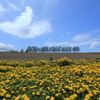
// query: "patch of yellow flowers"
[[41, 80]]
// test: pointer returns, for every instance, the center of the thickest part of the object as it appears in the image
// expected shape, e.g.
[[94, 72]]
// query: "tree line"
[[52, 49]]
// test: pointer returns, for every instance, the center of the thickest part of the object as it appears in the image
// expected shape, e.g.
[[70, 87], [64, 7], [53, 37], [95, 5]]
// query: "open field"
[[63, 79], [58, 79], [22, 56]]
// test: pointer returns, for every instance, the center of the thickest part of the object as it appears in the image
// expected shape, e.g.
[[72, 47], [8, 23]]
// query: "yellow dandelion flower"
[[25, 97], [57, 94], [47, 97], [87, 96], [4, 99], [64, 91], [52, 89], [43, 93], [98, 98], [1, 94], [38, 93], [86, 99], [66, 98], [90, 94], [8, 95], [52, 98], [4, 91], [48, 88], [33, 93], [74, 95]]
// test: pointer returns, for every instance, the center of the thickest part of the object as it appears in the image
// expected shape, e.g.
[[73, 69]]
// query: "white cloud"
[[81, 37], [94, 44], [22, 2], [6, 47], [12, 6], [2, 10], [23, 27], [72, 43]]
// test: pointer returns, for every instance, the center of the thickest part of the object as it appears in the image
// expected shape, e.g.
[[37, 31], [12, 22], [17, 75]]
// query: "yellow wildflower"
[[52, 98], [25, 97], [66, 98], [38, 93], [8, 95], [4, 99], [86, 99], [47, 97], [1, 94], [33, 93], [57, 94], [4, 91]]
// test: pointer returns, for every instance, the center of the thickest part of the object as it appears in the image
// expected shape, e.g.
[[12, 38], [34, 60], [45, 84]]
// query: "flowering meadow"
[[63, 79]]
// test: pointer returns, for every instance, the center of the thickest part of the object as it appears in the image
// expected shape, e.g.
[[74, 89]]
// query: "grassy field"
[[61, 79]]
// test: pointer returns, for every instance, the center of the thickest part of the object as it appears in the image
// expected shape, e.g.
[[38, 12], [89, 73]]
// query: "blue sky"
[[41, 23]]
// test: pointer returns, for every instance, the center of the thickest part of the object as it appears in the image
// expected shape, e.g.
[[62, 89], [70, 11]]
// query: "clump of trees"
[[13, 51], [52, 49]]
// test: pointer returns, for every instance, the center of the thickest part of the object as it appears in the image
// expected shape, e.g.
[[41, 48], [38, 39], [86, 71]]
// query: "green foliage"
[[51, 58], [97, 59], [13, 51], [42, 58], [27, 64], [4, 70], [64, 61], [4, 63], [14, 63], [43, 62]]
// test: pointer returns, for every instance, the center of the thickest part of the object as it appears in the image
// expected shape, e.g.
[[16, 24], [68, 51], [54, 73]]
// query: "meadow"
[[61, 79]]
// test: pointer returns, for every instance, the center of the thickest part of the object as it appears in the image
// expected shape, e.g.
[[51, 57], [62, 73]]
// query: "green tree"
[[22, 50]]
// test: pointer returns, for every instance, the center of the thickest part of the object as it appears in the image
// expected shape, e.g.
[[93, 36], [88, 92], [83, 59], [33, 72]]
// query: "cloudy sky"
[[41, 23]]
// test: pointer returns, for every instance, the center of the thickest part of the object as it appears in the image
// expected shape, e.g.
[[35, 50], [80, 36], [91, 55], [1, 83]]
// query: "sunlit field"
[[63, 79]]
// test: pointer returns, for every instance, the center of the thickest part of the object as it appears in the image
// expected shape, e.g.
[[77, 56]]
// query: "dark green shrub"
[[97, 59], [43, 62], [51, 58], [14, 64], [4, 70], [64, 61], [3, 63], [42, 58]]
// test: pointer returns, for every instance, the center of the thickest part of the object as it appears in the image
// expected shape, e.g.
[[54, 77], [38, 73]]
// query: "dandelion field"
[[63, 79]]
